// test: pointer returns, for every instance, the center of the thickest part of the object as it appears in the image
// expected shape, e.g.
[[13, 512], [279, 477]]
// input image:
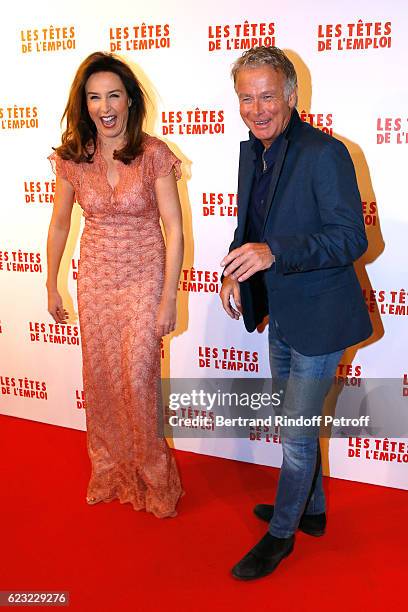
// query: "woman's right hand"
[[56, 308]]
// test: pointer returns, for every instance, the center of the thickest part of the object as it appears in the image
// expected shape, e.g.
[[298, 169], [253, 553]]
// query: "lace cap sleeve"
[[62, 168], [164, 161]]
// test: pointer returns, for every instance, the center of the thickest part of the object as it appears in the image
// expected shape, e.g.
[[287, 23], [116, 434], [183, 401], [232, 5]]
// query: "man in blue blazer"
[[300, 228]]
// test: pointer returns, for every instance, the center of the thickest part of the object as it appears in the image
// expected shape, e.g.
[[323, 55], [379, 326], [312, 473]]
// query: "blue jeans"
[[305, 382]]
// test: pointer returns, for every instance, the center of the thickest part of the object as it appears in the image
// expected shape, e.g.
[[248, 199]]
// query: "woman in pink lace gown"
[[124, 181]]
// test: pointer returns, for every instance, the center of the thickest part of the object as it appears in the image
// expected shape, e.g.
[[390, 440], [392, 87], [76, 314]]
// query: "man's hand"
[[243, 262], [230, 288]]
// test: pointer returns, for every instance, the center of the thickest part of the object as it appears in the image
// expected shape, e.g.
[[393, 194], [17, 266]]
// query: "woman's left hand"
[[166, 317]]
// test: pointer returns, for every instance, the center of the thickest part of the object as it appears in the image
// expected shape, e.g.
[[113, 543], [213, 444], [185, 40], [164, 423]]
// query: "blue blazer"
[[315, 228]]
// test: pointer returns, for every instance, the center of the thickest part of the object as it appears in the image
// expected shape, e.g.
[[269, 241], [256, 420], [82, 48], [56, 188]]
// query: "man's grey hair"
[[268, 56]]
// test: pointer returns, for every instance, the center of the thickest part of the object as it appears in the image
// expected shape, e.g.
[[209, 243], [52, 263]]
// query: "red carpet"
[[112, 559]]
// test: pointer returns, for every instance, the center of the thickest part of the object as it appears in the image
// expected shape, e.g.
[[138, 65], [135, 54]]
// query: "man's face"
[[263, 105]]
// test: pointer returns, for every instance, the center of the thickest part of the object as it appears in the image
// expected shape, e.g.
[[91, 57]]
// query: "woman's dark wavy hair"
[[79, 138]]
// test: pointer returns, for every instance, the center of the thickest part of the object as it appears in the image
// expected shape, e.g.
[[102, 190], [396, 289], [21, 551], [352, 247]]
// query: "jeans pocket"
[[278, 330]]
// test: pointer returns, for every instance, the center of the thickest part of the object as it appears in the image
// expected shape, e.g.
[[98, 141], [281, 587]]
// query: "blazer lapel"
[[277, 169], [290, 132], [246, 173]]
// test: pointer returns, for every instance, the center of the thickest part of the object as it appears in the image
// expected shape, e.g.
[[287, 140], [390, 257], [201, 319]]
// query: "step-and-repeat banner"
[[351, 61]]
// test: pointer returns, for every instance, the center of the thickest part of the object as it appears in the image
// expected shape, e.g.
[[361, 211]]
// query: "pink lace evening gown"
[[120, 280]]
